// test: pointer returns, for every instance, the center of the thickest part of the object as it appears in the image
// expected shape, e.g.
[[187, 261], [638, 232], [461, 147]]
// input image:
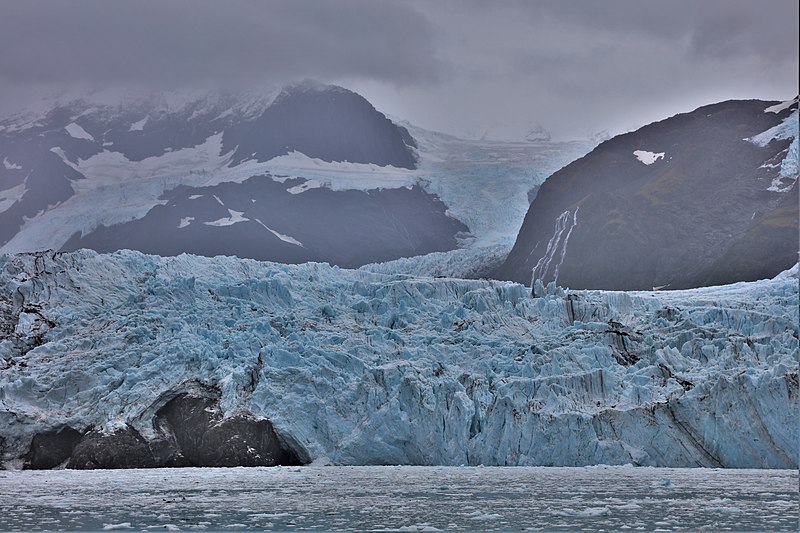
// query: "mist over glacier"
[[355, 367]]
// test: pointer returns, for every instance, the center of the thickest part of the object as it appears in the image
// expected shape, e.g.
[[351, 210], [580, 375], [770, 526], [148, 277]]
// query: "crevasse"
[[357, 367]]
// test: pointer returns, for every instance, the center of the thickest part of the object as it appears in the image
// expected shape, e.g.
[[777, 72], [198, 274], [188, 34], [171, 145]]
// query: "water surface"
[[401, 498]]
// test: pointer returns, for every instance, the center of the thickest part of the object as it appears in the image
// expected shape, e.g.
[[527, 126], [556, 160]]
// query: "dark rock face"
[[700, 215], [196, 434], [50, 449], [345, 228], [122, 449], [328, 123], [191, 431], [47, 179]]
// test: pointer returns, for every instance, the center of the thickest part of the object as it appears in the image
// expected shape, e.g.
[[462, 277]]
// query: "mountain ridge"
[[661, 205]]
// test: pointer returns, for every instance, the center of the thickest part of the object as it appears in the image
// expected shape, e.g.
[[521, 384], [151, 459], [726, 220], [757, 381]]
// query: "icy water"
[[401, 498]]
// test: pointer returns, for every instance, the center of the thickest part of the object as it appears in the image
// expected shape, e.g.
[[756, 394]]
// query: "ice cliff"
[[357, 367]]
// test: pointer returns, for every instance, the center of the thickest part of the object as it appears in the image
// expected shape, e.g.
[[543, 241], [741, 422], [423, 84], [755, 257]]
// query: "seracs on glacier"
[[787, 129], [356, 367]]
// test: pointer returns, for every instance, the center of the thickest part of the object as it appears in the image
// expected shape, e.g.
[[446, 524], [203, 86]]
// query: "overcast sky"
[[469, 67]]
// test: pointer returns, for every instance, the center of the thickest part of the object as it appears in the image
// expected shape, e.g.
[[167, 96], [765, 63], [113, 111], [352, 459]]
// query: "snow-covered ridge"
[[361, 367]]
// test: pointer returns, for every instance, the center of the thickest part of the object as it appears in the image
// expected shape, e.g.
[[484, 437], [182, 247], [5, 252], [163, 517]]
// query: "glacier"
[[787, 129], [484, 184], [361, 367]]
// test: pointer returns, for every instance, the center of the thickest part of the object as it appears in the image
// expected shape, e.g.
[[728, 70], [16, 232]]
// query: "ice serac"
[[191, 360], [703, 198]]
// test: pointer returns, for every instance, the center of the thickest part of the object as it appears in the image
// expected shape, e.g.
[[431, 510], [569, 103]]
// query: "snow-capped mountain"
[[310, 172], [702, 198], [124, 359]]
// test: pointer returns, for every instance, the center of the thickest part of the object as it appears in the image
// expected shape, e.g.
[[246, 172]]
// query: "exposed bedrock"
[[124, 448], [190, 430], [193, 432], [51, 448]]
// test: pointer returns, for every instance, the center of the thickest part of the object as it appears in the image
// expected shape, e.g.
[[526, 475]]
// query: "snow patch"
[[281, 236], [77, 132], [12, 195], [235, 217], [303, 187], [342, 175], [9, 165], [777, 108], [648, 158], [139, 126], [185, 221]]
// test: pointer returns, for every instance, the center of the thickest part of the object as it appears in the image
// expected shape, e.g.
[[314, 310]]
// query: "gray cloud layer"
[[463, 66], [196, 40]]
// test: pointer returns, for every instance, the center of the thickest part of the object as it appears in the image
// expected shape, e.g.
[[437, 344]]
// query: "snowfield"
[[360, 368]]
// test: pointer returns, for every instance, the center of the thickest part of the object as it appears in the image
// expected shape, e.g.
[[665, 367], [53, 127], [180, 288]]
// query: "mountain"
[[308, 173], [703, 198], [126, 360]]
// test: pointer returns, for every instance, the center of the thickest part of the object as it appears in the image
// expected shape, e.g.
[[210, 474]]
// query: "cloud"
[[575, 67], [182, 41]]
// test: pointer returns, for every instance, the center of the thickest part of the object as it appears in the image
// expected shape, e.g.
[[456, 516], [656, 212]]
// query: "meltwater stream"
[[400, 499]]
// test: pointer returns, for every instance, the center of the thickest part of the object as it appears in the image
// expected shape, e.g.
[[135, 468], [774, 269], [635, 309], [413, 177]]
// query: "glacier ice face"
[[359, 367], [468, 263], [787, 129]]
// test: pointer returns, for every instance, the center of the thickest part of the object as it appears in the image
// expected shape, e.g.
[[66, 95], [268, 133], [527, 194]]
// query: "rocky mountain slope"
[[125, 359], [312, 172], [703, 198]]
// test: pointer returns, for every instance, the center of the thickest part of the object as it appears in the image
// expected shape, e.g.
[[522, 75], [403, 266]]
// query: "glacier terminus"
[[127, 359]]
